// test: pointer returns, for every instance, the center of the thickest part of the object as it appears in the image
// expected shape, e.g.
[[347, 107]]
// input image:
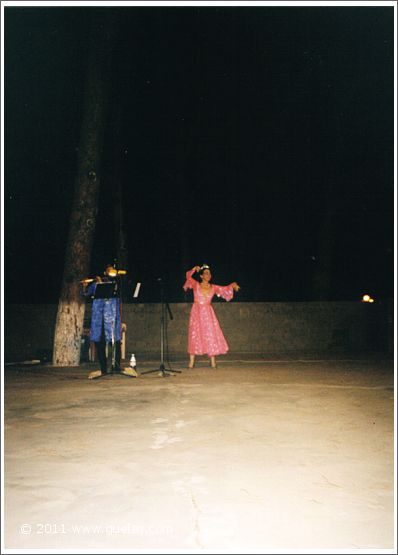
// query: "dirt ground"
[[255, 455]]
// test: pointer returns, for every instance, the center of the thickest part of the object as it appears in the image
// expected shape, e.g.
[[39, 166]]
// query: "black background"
[[239, 128]]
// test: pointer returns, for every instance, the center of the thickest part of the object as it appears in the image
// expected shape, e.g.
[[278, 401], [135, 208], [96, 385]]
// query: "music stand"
[[164, 371], [106, 290]]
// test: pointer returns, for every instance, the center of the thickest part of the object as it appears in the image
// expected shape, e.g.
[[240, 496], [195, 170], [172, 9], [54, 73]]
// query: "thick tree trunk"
[[70, 316]]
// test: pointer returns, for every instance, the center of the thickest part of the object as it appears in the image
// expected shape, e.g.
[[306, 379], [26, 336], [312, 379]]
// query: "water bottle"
[[133, 363]]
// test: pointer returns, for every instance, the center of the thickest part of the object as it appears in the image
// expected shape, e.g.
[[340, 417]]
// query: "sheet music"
[[137, 290]]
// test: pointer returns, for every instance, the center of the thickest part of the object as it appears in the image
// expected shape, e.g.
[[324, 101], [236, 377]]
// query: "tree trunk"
[[70, 316]]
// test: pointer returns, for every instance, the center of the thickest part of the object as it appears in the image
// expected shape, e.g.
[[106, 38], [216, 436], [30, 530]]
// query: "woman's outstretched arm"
[[226, 291]]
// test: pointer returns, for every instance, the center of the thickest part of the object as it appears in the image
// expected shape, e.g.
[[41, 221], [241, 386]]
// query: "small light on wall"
[[367, 299]]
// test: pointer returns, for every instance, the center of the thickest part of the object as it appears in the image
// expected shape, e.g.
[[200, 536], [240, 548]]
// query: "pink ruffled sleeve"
[[224, 291], [190, 282]]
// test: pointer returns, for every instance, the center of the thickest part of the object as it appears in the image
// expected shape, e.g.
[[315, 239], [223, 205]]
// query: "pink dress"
[[205, 336]]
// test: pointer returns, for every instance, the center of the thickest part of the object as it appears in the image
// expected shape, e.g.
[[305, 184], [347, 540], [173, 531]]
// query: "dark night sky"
[[255, 120]]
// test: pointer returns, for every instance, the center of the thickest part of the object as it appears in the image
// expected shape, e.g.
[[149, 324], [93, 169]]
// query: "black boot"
[[100, 346]]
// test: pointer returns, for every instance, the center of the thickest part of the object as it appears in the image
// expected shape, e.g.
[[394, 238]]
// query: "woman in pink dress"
[[205, 336]]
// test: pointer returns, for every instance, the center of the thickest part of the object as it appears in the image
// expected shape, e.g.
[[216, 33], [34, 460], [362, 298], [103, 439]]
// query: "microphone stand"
[[162, 369]]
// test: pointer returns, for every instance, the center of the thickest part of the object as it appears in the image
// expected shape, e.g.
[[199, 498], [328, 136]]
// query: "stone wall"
[[257, 328]]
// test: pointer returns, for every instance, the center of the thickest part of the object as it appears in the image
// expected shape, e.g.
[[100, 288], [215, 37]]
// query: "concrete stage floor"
[[256, 455]]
